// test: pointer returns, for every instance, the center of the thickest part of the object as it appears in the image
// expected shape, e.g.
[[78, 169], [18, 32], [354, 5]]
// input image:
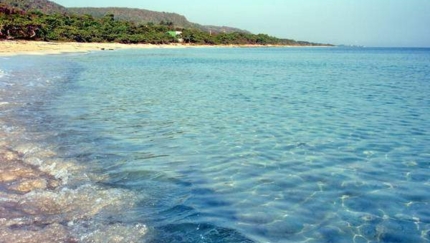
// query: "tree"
[[16, 24]]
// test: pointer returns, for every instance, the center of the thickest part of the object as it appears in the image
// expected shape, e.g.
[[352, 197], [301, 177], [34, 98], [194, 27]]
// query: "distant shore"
[[12, 48]]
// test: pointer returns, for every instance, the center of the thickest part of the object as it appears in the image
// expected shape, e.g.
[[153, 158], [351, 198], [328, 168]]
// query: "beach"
[[10, 48], [21, 47]]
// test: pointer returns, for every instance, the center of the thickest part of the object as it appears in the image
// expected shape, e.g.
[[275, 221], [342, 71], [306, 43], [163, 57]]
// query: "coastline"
[[21, 47], [13, 48], [46, 198]]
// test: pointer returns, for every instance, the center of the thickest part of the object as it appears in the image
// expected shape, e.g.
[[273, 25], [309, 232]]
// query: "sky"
[[382, 23]]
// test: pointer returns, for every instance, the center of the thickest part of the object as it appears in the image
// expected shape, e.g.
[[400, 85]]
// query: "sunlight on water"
[[220, 145]]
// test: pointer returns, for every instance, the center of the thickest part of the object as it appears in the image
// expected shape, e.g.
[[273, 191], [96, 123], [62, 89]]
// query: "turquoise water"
[[244, 145]]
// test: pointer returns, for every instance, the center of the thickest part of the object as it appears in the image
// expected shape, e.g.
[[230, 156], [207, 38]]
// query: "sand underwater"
[[199, 145], [44, 197]]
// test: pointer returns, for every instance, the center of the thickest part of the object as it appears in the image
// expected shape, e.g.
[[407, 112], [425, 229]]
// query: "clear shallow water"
[[247, 145]]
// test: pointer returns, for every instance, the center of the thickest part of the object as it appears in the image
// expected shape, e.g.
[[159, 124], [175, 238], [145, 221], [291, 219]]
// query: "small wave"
[[2, 73]]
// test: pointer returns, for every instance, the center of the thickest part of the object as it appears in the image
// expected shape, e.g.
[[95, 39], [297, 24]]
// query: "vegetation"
[[142, 16], [138, 16], [35, 25], [43, 6]]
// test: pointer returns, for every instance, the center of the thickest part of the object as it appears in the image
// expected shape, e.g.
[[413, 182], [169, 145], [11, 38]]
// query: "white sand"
[[11, 48]]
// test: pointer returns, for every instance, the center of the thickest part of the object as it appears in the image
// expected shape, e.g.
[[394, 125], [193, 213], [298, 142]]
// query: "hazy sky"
[[353, 22]]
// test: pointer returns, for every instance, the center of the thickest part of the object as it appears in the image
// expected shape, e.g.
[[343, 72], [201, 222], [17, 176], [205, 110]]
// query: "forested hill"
[[142, 16], [43, 6], [45, 20], [138, 16], [35, 25]]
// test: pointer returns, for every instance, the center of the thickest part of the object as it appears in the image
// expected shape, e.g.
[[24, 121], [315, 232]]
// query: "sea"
[[323, 144]]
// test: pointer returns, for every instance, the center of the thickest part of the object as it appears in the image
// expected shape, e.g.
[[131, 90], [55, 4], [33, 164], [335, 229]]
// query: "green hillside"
[[138, 16], [43, 6], [142, 16], [45, 20]]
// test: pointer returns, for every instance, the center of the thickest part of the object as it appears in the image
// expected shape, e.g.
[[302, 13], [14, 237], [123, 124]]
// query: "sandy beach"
[[11, 48]]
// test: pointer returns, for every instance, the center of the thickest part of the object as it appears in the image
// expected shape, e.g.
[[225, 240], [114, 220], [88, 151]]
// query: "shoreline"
[[45, 196], [23, 47], [14, 48]]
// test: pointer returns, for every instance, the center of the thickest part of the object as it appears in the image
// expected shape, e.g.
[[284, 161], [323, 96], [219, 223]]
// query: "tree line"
[[17, 24]]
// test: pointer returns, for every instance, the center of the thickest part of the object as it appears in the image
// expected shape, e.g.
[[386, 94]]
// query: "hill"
[[43, 6], [54, 22], [138, 16], [143, 16]]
